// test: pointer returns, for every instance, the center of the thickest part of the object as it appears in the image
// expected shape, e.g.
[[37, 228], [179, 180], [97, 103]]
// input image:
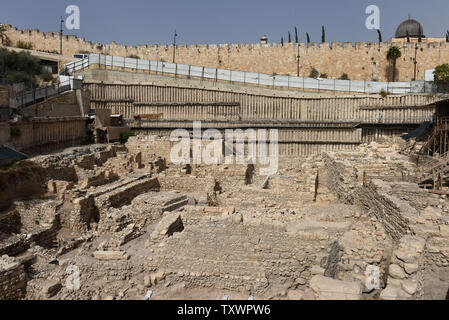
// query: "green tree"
[[408, 37], [296, 35], [441, 74], [19, 67], [289, 37], [393, 54], [308, 38], [379, 35], [344, 76], [323, 35], [282, 41], [447, 36], [420, 34]]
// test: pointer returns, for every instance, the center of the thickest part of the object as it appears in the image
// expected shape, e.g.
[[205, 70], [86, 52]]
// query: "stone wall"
[[20, 181], [231, 253], [361, 61], [404, 270], [62, 105], [12, 279]]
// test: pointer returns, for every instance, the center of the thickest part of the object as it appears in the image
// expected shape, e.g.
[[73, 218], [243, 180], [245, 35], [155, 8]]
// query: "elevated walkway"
[[99, 61]]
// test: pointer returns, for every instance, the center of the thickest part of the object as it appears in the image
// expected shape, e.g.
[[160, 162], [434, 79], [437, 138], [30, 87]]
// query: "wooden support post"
[[317, 184]]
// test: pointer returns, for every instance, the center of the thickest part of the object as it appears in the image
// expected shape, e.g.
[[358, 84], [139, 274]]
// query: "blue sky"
[[226, 21]]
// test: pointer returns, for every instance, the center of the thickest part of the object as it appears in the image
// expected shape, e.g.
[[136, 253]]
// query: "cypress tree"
[[379, 34], [323, 35], [296, 35], [289, 37], [308, 38]]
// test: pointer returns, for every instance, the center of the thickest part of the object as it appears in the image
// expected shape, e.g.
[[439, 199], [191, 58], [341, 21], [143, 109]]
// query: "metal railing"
[[30, 97], [252, 78]]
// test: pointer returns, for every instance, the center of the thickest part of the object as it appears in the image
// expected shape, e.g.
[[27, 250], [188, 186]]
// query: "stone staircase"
[[175, 203]]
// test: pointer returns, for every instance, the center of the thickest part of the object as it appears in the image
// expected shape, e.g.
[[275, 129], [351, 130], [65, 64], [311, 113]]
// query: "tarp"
[[8, 155], [418, 132]]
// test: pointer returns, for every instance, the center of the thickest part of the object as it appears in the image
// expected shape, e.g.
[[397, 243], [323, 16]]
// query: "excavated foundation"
[[123, 220]]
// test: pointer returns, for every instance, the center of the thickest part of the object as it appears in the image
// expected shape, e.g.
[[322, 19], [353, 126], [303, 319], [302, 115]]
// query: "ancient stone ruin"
[[105, 222]]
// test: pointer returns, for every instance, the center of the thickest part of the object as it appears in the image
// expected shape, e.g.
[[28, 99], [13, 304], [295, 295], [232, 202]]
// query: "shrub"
[[441, 74], [124, 136], [384, 93], [323, 76], [19, 67], [24, 45], [344, 76], [314, 73], [134, 56]]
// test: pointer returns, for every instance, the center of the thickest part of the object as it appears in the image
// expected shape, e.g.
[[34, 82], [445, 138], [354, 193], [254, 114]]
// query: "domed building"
[[414, 29], [410, 26]]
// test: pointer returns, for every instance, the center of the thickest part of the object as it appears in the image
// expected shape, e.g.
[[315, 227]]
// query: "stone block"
[[110, 255], [331, 289], [396, 272]]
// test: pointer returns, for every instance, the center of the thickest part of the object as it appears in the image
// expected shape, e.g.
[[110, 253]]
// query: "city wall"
[[361, 61]]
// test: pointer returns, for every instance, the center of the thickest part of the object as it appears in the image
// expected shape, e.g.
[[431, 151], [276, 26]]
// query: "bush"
[[24, 45], [124, 136], [384, 93], [19, 67], [134, 56], [19, 76], [323, 76], [314, 73], [441, 74], [344, 76]]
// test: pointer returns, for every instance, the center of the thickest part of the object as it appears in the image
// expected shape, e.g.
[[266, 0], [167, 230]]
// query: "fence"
[[252, 78], [30, 97], [49, 132]]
